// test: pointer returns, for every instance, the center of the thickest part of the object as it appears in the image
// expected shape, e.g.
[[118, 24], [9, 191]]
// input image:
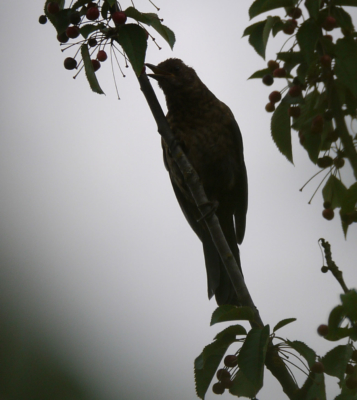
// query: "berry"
[[354, 355], [328, 214], [275, 96], [96, 65], [326, 61], [318, 367], [270, 107], [273, 65], [218, 388], [339, 162], [332, 136], [324, 269], [62, 37], [53, 7], [268, 80], [42, 20], [72, 32], [92, 13], [317, 124], [227, 383], [351, 382], [327, 204], [325, 162], [279, 73], [349, 369], [289, 26], [75, 18], [322, 330], [295, 13], [294, 111], [231, 361], [223, 373], [295, 91], [329, 37], [92, 42], [119, 17], [70, 63], [102, 55], [329, 24]]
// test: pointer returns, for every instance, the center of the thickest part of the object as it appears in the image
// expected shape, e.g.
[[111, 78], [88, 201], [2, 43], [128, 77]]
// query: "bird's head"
[[173, 74]]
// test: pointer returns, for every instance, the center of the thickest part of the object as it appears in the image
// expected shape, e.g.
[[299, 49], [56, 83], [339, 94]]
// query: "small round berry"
[[289, 26], [329, 37], [294, 111], [351, 382], [268, 80], [70, 63], [62, 37], [354, 355], [349, 369], [275, 96], [329, 23], [218, 388], [279, 73], [328, 214], [324, 162], [42, 20], [53, 7], [92, 42], [327, 204], [317, 124], [102, 55], [322, 330], [326, 61], [295, 13], [96, 65], [339, 162], [273, 65], [227, 383], [324, 269], [223, 373], [270, 107], [295, 91], [72, 32], [318, 367], [119, 17], [92, 14], [332, 136], [75, 18], [231, 361]]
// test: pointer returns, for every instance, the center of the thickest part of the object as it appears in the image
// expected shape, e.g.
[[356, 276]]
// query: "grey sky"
[[98, 261]]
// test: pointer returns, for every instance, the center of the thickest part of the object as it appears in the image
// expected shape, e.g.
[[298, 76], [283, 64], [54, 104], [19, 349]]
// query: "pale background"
[[100, 272]]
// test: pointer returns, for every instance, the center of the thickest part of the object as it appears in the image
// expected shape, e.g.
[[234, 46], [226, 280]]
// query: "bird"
[[211, 139]]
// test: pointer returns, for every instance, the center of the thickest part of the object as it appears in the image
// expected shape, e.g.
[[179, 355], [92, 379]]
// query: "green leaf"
[[256, 32], [349, 301], [317, 390], [352, 3], [307, 37], [280, 130], [349, 201], [271, 21], [88, 67], [79, 3], [336, 360], [242, 387], [334, 191], [251, 357], [336, 317], [283, 322], [207, 363], [132, 39], [303, 350], [231, 330], [60, 20], [343, 19], [111, 2], [86, 30], [313, 8], [231, 313], [260, 73], [346, 61], [260, 6], [105, 10]]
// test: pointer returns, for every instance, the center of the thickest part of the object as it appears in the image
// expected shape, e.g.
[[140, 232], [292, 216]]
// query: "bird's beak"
[[158, 73]]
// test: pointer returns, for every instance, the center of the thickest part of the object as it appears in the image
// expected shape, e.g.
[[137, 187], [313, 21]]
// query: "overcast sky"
[[98, 263]]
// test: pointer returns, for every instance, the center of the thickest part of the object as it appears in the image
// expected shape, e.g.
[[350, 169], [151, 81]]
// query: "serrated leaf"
[[346, 61], [260, 74], [349, 302], [60, 20], [207, 363], [271, 21], [280, 130], [256, 32], [88, 67], [336, 360], [303, 350], [86, 30], [349, 201], [242, 387], [334, 191], [231, 330], [317, 390], [260, 6], [283, 322], [251, 357], [231, 313], [132, 39], [307, 37], [313, 7]]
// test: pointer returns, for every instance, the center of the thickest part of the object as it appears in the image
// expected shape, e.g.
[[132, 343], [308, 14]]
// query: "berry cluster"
[[224, 376]]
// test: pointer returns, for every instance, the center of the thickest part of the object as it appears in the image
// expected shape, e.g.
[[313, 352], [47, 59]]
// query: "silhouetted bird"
[[210, 137]]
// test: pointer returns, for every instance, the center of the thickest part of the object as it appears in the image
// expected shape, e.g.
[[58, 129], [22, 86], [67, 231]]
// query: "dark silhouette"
[[209, 135]]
